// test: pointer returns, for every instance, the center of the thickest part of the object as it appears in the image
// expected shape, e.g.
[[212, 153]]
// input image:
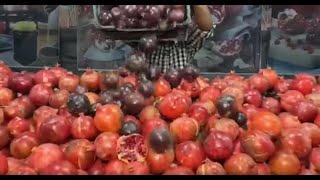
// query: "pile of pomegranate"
[[137, 120], [162, 17]]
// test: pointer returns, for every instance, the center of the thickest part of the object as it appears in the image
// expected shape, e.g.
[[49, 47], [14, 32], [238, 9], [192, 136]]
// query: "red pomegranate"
[[209, 93], [174, 104], [314, 159], [314, 98], [190, 154], [69, 82], [239, 164], [161, 87], [227, 126], [289, 99], [4, 80], [45, 76], [18, 125], [55, 129], [271, 104], [115, 167], [148, 113], [4, 69], [284, 163], [43, 113], [271, 75], [218, 145], [303, 85], [282, 85], [305, 111], [313, 131], [137, 168], [288, 120], [266, 122], [58, 71], [83, 127], [60, 168], [191, 88], [184, 129], [211, 168], [253, 97], [179, 170], [44, 155], [108, 118], [3, 165], [259, 82], [59, 98], [81, 153], [19, 107], [260, 169], [199, 113], [6, 96], [97, 168], [159, 162], [40, 94], [152, 124], [106, 146], [90, 79], [258, 145], [21, 146], [297, 141]]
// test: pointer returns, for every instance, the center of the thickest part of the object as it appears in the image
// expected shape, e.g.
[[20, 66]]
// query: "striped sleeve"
[[196, 36]]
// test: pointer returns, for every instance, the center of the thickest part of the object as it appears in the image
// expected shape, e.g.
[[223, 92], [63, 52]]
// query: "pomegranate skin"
[[239, 164], [218, 145], [253, 97], [260, 169], [211, 168], [40, 94], [296, 140], [284, 163], [60, 168], [258, 145], [289, 99], [45, 76], [21, 146], [97, 168], [44, 155], [3, 165], [80, 152], [315, 159], [115, 167], [83, 128], [179, 170], [106, 144], [314, 131], [272, 105], [306, 111], [55, 129], [189, 154]]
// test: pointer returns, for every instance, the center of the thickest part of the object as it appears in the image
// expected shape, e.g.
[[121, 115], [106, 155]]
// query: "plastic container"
[[295, 40], [237, 41], [25, 47]]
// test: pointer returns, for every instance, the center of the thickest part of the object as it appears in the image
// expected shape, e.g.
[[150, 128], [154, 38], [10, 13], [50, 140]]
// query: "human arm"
[[202, 17], [202, 28]]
